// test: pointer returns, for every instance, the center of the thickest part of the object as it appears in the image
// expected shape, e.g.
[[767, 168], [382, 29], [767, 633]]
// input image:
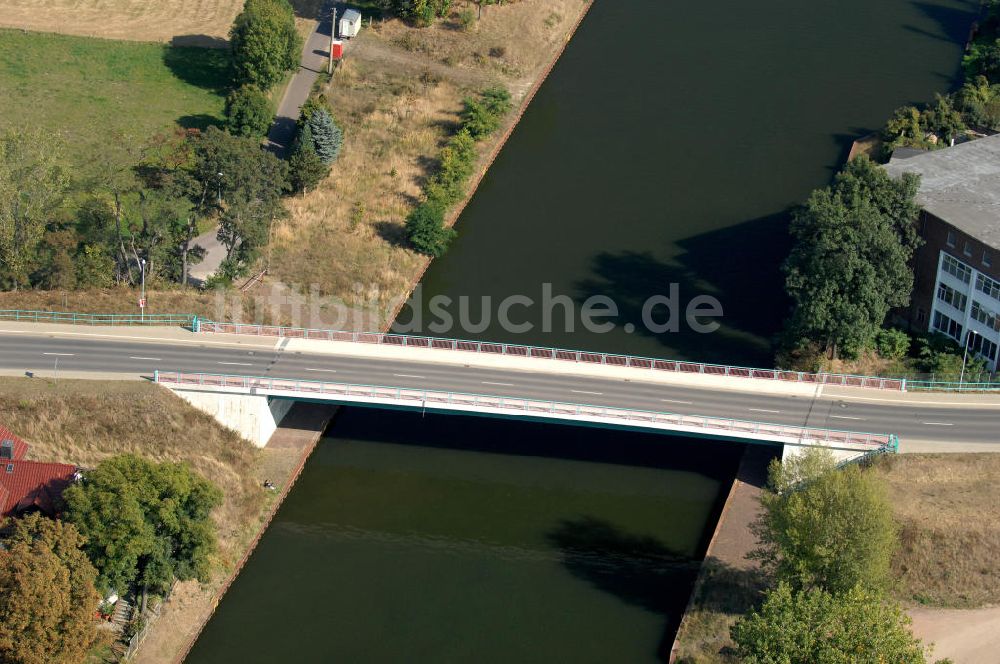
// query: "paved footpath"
[[315, 58]]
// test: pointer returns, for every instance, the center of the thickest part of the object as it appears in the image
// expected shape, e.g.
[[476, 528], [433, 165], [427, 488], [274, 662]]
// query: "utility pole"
[[333, 33]]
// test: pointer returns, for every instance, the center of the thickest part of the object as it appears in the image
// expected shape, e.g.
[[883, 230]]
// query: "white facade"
[[350, 23], [967, 301]]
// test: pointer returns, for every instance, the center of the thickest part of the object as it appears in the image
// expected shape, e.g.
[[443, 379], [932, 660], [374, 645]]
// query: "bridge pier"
[[254, 417]]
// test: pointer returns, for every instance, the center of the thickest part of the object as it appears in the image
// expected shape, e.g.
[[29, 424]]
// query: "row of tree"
[[129, 524], [425, 12], [827, 536], [976, 104], [481, 117], [140, 210]]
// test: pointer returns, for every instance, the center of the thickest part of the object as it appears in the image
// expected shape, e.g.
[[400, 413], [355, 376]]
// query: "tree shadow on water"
[[739, 265], [640, 570]]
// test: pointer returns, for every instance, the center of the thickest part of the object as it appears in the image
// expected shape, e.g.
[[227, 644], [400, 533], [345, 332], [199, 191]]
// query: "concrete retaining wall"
[[253, 417]]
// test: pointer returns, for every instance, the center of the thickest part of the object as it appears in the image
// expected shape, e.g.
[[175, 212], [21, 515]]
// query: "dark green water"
[[452, 539], [665, 148]]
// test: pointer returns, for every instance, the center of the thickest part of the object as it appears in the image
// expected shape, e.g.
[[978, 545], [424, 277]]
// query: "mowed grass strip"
[[90, 91]]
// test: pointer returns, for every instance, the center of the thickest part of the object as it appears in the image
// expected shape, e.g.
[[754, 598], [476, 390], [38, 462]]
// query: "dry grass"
[[193, 22], [948, 506], [84, 422], [398, 95]]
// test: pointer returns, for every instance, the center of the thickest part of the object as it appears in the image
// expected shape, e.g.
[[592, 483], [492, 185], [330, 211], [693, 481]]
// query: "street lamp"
[[965, 355], [142, 298]]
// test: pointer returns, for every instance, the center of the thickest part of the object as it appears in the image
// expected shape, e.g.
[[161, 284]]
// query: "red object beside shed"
[[337, 50]]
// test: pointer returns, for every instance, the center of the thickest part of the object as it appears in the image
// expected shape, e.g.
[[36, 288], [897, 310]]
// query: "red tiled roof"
[[20, 447], [32, 484]]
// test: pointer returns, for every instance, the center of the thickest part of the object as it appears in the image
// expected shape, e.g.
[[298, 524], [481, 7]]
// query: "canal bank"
[[190, 607]]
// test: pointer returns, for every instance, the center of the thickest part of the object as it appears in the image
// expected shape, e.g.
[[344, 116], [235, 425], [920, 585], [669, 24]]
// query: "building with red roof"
[[29, 486]]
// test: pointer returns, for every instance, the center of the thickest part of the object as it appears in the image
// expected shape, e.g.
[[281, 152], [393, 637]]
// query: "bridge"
[[274, 365]]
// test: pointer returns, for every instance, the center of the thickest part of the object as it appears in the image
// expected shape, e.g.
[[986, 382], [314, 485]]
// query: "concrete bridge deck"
[[924, 422]]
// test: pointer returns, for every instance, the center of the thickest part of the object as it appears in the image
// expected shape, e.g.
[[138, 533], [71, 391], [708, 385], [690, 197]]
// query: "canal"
[[665, 148]]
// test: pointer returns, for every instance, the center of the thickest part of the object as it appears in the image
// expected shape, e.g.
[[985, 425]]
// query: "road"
[[963, 422]]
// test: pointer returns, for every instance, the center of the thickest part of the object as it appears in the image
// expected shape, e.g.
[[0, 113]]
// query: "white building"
[[957, 288], [350, 23]]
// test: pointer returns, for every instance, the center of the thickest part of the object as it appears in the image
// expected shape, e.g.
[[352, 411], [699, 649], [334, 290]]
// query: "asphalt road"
[[867, 411]]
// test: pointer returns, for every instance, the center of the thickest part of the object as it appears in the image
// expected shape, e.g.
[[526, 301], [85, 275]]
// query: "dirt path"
[[966, 636]]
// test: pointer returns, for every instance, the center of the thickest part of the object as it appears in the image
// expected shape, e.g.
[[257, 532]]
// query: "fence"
[[422, 398], [95, 319], [541, 352]]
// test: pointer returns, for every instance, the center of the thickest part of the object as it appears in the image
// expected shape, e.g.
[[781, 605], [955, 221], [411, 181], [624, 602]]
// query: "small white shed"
[[350, 23]]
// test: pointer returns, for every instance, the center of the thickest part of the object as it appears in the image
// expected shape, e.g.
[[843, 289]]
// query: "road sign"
[[142, 303]]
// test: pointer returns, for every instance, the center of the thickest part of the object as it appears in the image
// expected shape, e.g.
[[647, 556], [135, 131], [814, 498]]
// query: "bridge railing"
[[425, 398], [541, 352], [74, 318]]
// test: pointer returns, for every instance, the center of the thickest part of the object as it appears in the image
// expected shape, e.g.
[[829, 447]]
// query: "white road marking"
[[845, 417], [151, 359], [407, 376], [938, 424], [61, 354], [486, 382], [917, 402], [323, 370], [236, 364], [686, 403], [586, 392], [763, 410]]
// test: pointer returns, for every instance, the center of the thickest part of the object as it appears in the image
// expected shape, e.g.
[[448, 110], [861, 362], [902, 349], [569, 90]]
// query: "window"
[[987, 261], [953, 297], [985, 316], [921, 316], [951, 238], [984, 347], [967, 249], [947, 326], [988, 286], [956, 268], [10, 468]]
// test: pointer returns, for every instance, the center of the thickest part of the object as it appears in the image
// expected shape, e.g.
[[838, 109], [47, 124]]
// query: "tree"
[[47, 595], [146, 523], [244, 184], [850, 262], [248, 112], [455, 165], [264, 43], [826, 528], [326, 135], [815, 627], [942, 119], [32, 186], [426, 230], [306, 169]]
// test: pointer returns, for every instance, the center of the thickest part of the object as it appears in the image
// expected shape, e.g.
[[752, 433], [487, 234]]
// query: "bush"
[[248, 112], [456, 164], [892, 344], [483, 116], [264, 43], [816, 626], [426, 230], [466, 19]]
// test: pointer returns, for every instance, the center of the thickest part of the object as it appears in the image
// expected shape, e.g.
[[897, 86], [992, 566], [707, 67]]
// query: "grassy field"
[[195, 22], [948, 506], [93, 91], [398, 95]]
